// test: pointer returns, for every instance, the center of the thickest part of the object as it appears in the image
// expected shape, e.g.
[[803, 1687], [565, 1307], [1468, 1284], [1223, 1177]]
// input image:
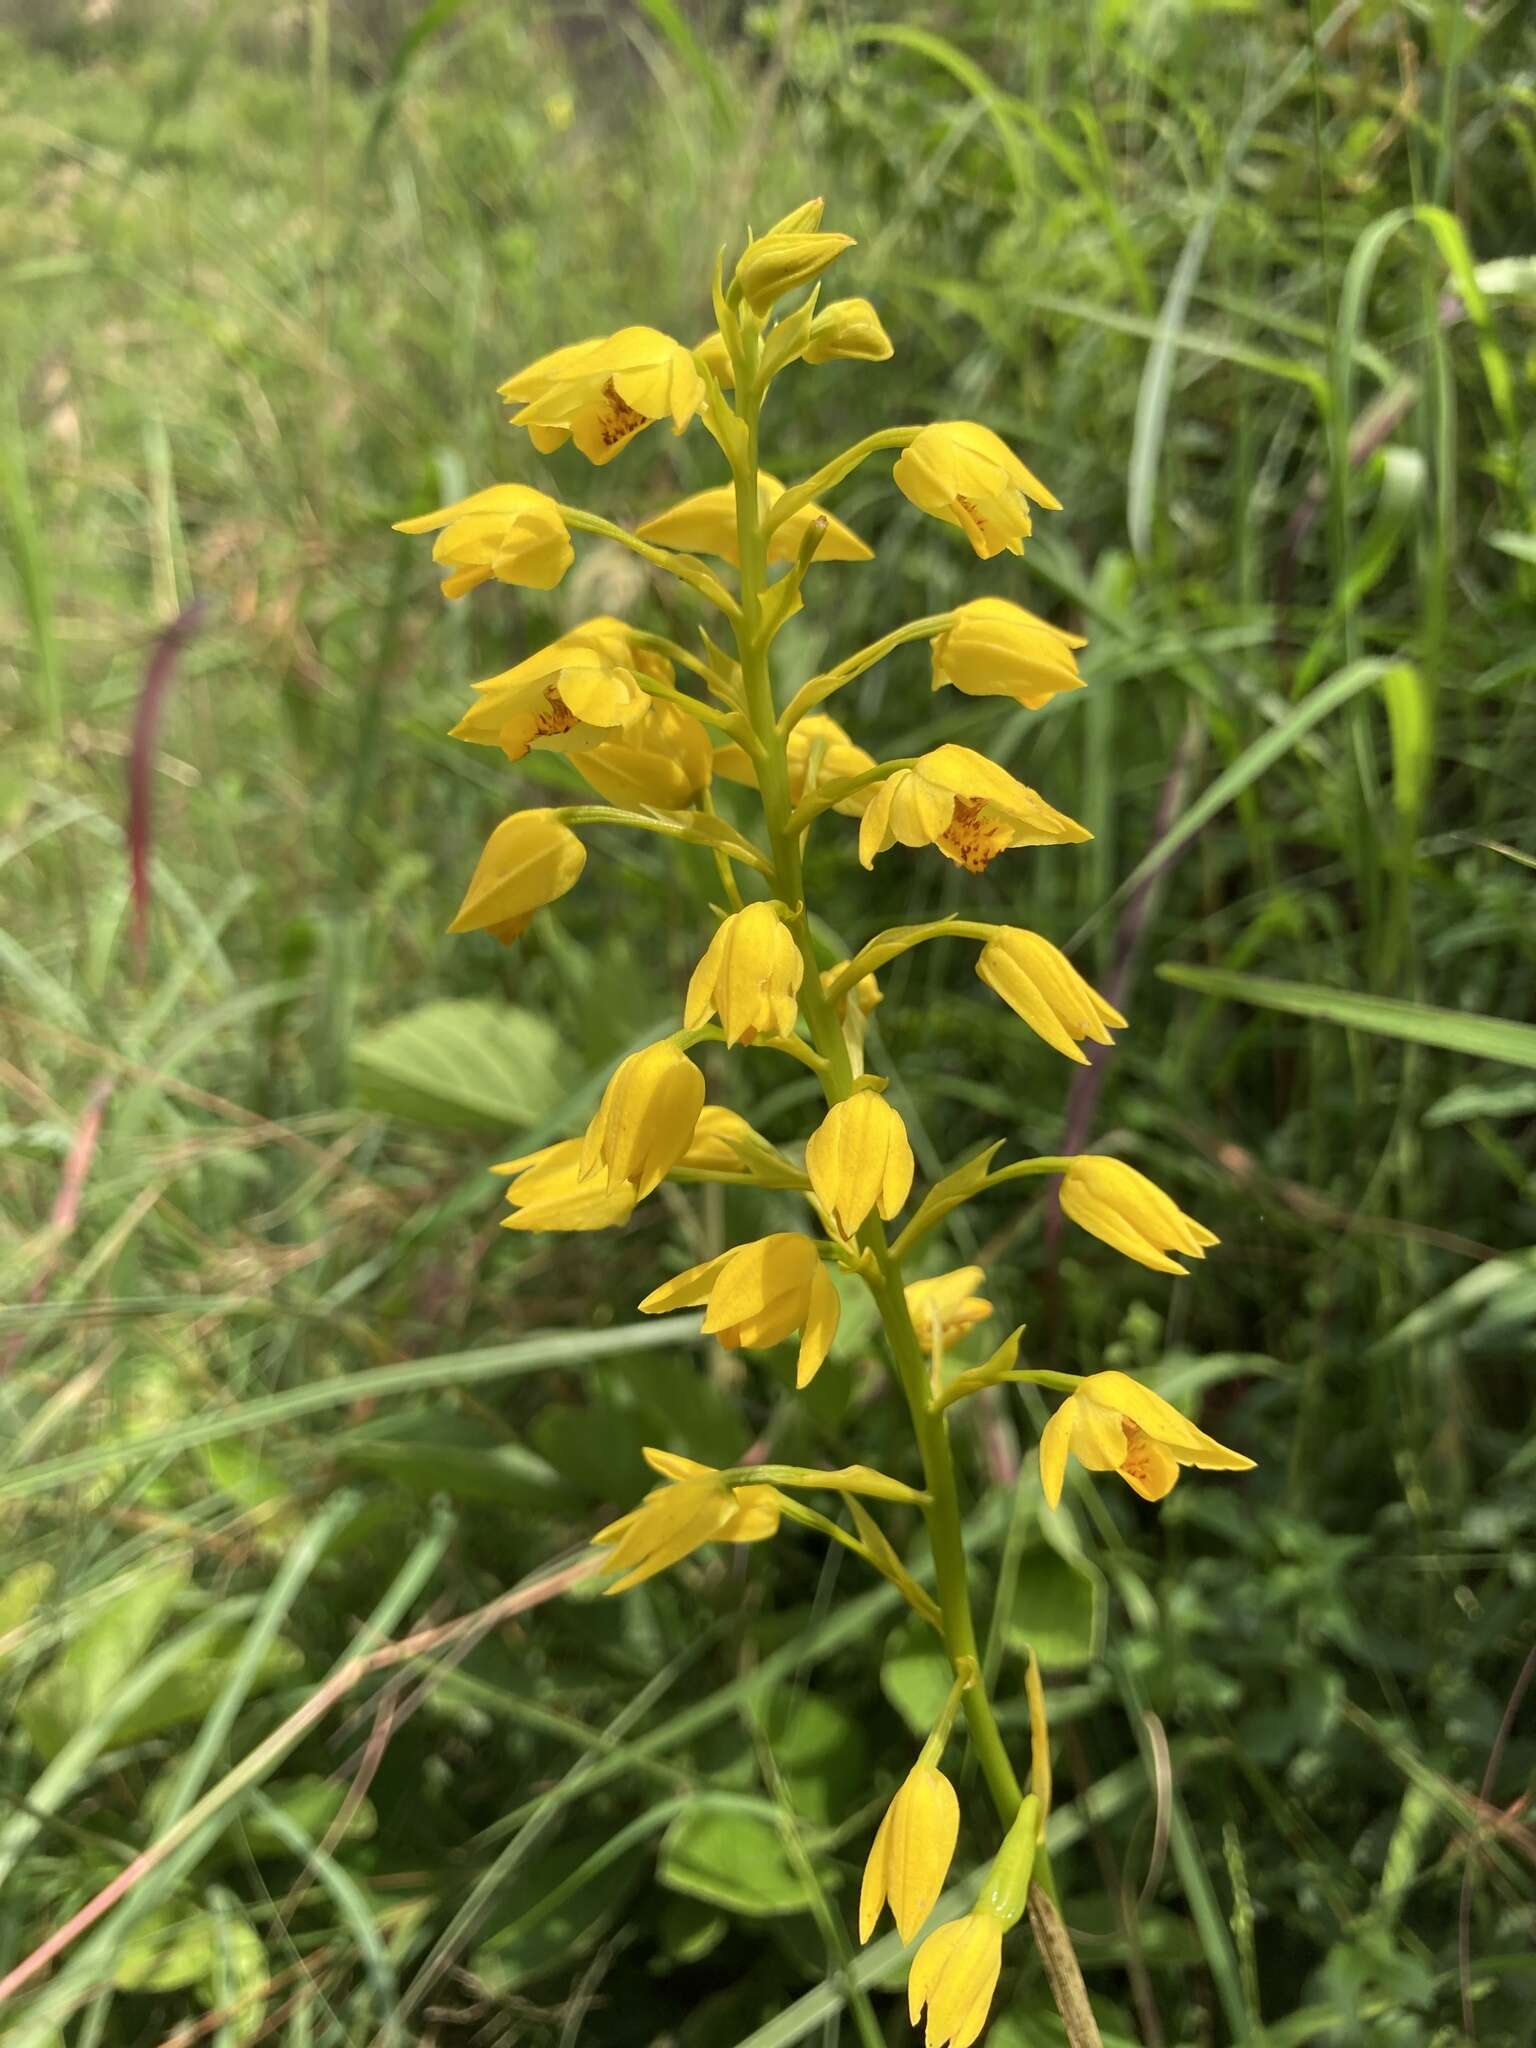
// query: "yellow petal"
[[858, 1159]]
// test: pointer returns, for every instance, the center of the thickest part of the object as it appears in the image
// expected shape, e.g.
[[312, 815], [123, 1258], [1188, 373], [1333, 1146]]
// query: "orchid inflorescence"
[[607, 695]]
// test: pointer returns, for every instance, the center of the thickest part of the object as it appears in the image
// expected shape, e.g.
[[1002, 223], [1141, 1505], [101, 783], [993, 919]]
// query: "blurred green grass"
[[1255, 294]]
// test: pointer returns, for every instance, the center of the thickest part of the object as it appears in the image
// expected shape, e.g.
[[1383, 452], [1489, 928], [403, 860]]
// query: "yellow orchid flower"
[[508, 531], [759, 1294], [713, 355], [945, 1307], [705, 524], [529, 860], [954, 1974], [998, 649], [749, 977], [662, 760], [963, 804], [646, 1119], [1116, 1203], [601, 393], [913, 1849], [1114, 1424], [1040, 984], [963, 474], [848, 330], [548, 1191], [694, 1507], [565, 698], [860, 1158]]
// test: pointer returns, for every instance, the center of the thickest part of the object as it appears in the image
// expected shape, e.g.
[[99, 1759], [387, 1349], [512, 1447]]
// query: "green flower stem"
[[671, 825], [821, 687], [724, 721], [818, 802], [832, 472], [871, 956], [887, 1287], [687, 568]]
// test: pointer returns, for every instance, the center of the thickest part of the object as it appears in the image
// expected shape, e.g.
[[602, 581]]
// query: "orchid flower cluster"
[[607, 695]]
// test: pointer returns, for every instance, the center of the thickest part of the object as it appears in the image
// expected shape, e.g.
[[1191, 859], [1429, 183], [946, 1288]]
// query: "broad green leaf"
[[1487, 1038], [311, 1805], [470, 1065], [84, 1677], [436, 1451], [1058, 1609], [915, 1675], [733, 1860]]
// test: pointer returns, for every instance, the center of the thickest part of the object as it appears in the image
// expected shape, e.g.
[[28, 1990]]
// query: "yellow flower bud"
[[695, 1506], [759, 1294], [955, 1974], [1130, 1212], [716, 1137], [860, 1158], [602, 393], [548, 1192], [848, 330], [963, 804], [1042, 986], [783, 260], [716, 358], [749, 977], [1114, 1424], [998, 649], [803, 220], [645, 1121], [507, 531], [817, 752], [529, 860], [705, 524], [663, 760], [944, 1308], [963, 474], [913, 1849]]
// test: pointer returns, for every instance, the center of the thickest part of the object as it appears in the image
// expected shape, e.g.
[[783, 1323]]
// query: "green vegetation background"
[[262, 268]]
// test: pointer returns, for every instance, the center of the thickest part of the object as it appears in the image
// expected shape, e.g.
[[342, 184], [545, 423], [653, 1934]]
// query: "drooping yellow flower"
[[507, 531], [783, 260], [749, 977], [963, 474], [966, 806], [1114, 1424], [954, 1974], [663, 760], [848, 330], [913, 1849], [1130, 1212], [695, 1506], [860, 1158], [530, 859], [1040, 984], [565, 698], [549, 1192], [998, 649], [817, 752], [705, 524], [945, 1307], [645, 1121], [601, 393], [759, 1294]]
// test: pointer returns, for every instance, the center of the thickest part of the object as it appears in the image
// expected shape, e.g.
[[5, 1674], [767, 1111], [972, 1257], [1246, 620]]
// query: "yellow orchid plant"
[[607, 695]]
